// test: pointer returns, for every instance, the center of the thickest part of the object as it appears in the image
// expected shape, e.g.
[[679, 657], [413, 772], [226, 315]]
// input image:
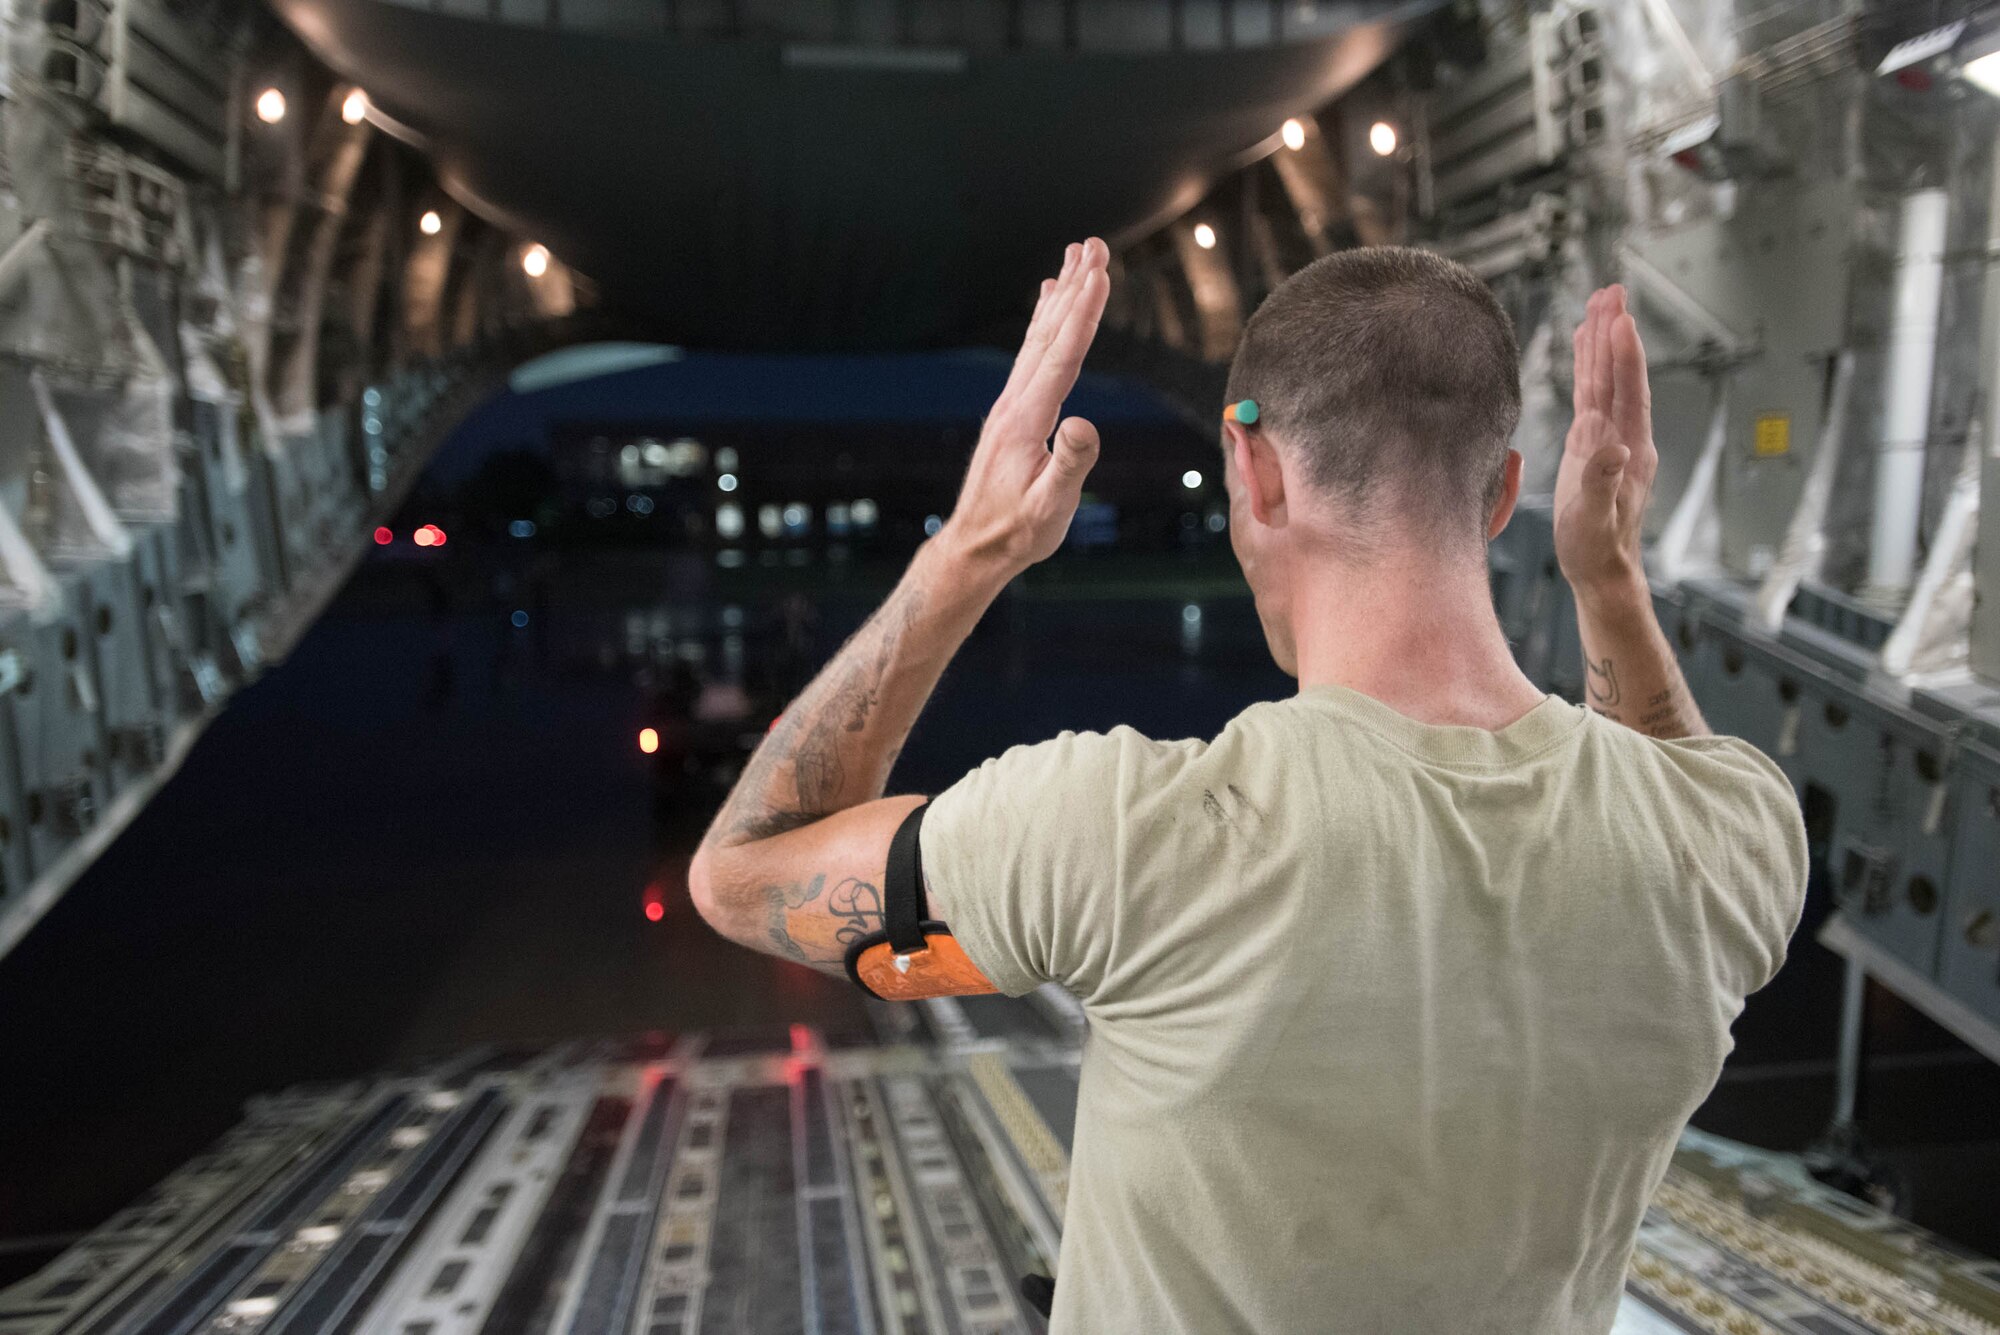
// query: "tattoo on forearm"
[[802, 928], [810, 738], [1667, 714], [1601, 681]]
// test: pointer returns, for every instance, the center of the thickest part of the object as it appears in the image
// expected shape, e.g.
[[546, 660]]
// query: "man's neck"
[[1416, 631]]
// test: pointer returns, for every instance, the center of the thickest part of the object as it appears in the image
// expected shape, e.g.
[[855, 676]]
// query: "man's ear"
[[1257, 465], [1510, 492]]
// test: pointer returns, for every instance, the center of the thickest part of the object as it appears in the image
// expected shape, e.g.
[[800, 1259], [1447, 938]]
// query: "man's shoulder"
[[1724, 765], [1073, 760]]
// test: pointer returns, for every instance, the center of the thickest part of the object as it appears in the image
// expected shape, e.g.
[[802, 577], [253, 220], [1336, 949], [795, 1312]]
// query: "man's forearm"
[[1631, 675], [836, 743]]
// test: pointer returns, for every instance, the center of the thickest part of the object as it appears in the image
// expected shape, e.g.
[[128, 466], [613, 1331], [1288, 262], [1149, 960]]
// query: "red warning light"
[[649, 740], [383, 537], [655, 910], [437, 535]]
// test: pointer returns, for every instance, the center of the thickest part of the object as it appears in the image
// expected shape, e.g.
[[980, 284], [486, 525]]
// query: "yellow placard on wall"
[[1774, 435]]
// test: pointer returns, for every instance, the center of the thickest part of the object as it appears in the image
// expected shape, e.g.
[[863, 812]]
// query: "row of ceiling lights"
[[535, 259], [1382, 139], [354, 109]]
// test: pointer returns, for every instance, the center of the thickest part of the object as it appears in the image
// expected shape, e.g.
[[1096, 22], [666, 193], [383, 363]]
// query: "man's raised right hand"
[[1608, 461]]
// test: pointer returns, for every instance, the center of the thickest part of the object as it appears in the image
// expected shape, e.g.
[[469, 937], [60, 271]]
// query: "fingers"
[[1047, 307], [1603, 386], [1041, 399], [1058, 296], [1585, 343], [1632, 411]]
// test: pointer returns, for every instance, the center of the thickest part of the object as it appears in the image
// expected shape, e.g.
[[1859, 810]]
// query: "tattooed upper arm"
[[805, 894], [814, 921]]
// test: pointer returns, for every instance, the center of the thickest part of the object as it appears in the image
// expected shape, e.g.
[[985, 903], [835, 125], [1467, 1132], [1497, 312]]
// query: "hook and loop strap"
[[903, 906]]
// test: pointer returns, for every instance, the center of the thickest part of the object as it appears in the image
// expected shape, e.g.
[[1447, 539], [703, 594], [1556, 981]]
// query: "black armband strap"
[[912, 957], [903, 901]]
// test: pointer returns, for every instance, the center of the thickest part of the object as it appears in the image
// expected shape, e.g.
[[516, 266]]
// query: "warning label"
[[1774, 434]]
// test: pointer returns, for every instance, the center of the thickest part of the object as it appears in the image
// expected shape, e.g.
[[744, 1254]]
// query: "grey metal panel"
[[227, 508], [140, 112], [1886, 843], [1506, 115], [56, 735], [131, 740], [1969, 955], [1776, 274], [158, 579], [177, 88]]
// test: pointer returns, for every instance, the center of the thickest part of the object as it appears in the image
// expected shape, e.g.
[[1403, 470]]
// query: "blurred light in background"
[[383, 537], [931, 525], [1983, 73], [521, 528], [355, 107], [655, 910], [1294, 134], [1191, 479], [535, 261], [729, 521], [727, 482], [1382, 138], [1204, 236], [431, 223], [649, 740], [1191, 629], [270, 106], [520, 620]]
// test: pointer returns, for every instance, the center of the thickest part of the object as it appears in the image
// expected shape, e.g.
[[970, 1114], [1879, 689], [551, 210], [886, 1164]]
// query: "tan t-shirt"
[[1393, 1027]]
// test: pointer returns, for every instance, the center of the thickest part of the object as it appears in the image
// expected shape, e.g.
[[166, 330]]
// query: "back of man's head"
[[1393, 378]]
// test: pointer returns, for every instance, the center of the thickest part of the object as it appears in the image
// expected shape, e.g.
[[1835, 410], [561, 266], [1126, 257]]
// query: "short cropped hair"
[[1394, 373]]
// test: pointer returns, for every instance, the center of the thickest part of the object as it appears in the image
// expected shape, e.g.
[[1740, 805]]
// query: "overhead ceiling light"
[[270, 106], [535, 261], [355, 107], [1294, 134], [1382, 138], [430, 224], [1204, 236]]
